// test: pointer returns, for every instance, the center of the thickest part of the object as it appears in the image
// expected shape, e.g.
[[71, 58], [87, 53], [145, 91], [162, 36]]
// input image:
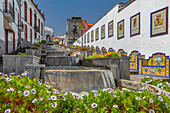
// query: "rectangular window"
[[97, 34], [84, 38], [110, 29], [103, 32], [92, 36], [88, 38]]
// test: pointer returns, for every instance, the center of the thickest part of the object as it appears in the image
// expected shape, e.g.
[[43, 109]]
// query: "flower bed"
[[108, 54], [160, 84], [21, 95]]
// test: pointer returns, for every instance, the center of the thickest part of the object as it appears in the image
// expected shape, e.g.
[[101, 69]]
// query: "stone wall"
[[35, 71], [122, 65], [25, 43], [61, 61], [17, 63], [36, 52], [139, 86], [80, 80], [2, 47]]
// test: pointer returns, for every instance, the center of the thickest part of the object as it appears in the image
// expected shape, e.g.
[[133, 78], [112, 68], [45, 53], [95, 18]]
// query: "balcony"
[[21, 26], [9, 12], [36, 28]]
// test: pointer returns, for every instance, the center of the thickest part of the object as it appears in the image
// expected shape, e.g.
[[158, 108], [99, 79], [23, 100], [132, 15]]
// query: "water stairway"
[[63, 70]]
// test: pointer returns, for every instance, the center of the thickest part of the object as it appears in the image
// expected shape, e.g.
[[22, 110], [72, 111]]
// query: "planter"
[[36, 52], [17, 63], [61, 61], [35, 71], [121, 63]]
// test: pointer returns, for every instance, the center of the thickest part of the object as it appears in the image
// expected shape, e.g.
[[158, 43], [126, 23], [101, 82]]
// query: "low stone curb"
[[138, 86]]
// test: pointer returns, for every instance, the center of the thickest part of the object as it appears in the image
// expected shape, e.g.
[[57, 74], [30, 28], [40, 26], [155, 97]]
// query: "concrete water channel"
[[56, 66]]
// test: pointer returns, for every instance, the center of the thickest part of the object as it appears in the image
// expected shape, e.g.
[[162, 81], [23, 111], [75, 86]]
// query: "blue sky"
[[57, 11]]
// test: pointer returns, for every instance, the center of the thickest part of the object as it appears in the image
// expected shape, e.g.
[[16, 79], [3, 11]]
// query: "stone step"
[[61, 61]]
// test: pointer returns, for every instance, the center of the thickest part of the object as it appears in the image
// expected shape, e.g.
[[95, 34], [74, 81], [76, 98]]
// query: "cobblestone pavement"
[[139, 77]]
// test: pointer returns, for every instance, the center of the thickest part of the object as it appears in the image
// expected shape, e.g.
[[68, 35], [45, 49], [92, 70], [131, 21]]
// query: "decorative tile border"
[[104, 50], [98, 50], [157, 65], [134, 60], [92, 48], [122, 53], [111, 50]]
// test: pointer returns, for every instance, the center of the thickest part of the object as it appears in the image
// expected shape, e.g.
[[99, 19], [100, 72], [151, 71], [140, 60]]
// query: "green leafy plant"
[[21, 53], [72, 47], [36, 44], [43, 41], [108, 54], [77, 46], [159, 83], [19, 94], [56, 42]]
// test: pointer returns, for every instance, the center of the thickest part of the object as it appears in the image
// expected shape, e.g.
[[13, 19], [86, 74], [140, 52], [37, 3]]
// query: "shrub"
[[108, 54], [36, 44], [72, 47], [160, 84], [34, 47], [56, 42], [21, 53], [21, 95], [77, 46], [62, 45], [43, 41]]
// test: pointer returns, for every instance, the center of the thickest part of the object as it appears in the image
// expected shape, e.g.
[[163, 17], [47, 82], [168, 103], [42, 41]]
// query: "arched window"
[[31, 35], [42, 29], [30, 16], [25, 10], [25, 32], [39, 25]]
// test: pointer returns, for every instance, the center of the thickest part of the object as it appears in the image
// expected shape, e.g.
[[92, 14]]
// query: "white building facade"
[[49, 32], [17, 27], [142, 25], [33, 21], [9, 25]]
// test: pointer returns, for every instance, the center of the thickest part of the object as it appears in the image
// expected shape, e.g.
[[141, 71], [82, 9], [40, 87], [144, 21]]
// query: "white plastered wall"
[[143, 42]]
